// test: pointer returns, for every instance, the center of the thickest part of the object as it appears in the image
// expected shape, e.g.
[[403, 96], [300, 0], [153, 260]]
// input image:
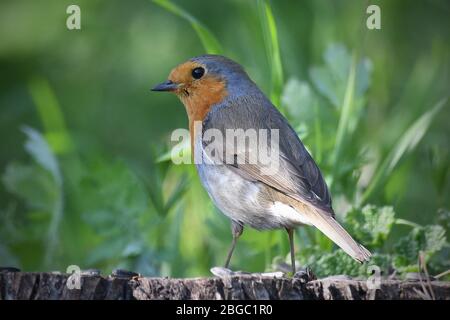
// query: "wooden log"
[[24, 285]]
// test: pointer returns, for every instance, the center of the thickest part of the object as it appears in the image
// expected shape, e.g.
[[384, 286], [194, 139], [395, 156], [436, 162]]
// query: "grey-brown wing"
[[298, 175]]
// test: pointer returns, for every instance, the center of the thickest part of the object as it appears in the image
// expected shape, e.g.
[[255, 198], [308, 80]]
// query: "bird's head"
[[204, 81]]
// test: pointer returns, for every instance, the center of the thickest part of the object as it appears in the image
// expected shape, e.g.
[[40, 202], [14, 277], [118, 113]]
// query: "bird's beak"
[[166, 86]]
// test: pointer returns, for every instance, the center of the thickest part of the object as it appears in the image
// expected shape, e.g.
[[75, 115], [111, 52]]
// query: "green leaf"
[[32, 184], [363, 76], [177, 194], [335, 263], [39, 185], [435, 238], [371, 225], [338, 262], [343, 81], [112, 200], [51, 115], [39, 149], [111, 196], [271, 42], [323, 83], [444, 219], [210, 43], [346, 112], [155, 183], [413, 135], [430, 239], [330, 80], [334, 79], [405, 144], [299, 101]]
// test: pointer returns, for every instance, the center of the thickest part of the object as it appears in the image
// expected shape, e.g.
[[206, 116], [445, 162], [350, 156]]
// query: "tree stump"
[[38, 286]]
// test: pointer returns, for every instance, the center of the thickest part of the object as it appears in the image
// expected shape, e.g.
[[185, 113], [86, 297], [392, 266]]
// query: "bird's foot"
[[305, 275]]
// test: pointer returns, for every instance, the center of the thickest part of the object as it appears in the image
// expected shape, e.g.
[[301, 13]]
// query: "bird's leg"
[[236, 230], [291, 244]]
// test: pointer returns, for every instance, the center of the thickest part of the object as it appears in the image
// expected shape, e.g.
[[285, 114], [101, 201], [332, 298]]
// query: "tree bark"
[[23, 285]]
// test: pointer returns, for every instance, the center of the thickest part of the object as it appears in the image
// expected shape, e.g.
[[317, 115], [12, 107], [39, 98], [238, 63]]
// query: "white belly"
[[243, 200]]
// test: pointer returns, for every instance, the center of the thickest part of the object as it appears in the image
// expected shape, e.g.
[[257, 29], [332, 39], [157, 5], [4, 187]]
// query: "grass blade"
[[209, 41], [50, 113], [177, 194], [317, 133], [272, 49], [347, 108], [184, 149], [406, 144]]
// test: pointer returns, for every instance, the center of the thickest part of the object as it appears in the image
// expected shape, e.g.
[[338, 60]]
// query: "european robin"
[[218, 94]]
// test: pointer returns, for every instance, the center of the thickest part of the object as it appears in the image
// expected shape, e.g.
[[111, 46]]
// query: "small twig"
[[423, 266], [442, 274], [407, 223], [423, 295]]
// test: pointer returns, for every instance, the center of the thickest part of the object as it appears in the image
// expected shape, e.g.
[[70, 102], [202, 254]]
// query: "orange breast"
[[197, 95], [200, 100]]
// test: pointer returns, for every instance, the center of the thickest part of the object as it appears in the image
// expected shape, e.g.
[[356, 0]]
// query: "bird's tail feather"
[[333, 230]]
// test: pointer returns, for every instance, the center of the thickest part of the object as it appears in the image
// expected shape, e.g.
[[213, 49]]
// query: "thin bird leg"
[[236, 230], [291, 244], [230, 251]]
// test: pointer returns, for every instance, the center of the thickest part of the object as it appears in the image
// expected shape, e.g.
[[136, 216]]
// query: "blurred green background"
[[84, 176]]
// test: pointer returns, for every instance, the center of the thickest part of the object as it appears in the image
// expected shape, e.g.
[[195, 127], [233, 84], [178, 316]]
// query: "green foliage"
[[341, 75], [113, 200], [406, 143], [31, 184], [371, 224], [40, 186], [298, 99], [429, 239]]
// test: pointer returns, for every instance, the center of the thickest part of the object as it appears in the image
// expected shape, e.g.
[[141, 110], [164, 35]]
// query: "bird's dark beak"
[[166, 86]]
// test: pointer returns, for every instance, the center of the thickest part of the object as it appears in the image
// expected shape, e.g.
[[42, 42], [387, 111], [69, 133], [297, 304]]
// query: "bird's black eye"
[[197, 73]]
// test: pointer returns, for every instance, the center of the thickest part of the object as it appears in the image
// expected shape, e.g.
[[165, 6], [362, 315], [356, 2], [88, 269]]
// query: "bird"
[[218, 94]]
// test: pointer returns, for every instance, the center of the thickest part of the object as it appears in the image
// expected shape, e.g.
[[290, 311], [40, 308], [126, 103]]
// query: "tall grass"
[[405, 144], [345, 114], [209, 41], [272, 46]]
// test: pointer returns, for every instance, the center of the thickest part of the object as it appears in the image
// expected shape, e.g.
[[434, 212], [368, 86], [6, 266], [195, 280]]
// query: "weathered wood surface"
[[23, 285]]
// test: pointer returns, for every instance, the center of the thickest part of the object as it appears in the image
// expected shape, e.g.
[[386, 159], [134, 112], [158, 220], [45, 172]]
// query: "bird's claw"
[[305, 275]]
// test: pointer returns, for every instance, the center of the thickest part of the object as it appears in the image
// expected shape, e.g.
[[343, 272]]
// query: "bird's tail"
[[333, 230]]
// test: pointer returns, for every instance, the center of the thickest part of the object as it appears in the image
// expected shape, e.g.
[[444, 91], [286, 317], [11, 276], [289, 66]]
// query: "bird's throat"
[[200, 100]]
